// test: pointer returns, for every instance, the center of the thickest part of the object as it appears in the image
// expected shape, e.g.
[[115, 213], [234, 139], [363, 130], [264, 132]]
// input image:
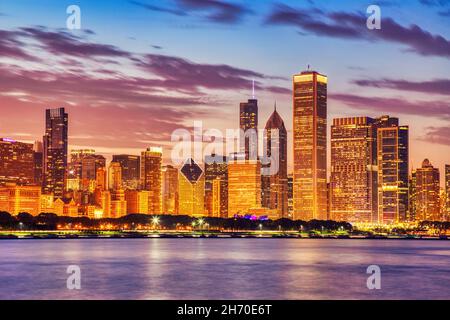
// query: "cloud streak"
[[346, 25], [434, 109], [438, 135], [216, 11], [437, 86]]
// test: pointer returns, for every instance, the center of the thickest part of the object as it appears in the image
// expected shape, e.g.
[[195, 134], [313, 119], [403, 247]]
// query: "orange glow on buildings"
[[151, 175], [353, 178], [427, 188], [310, 146], [191, 189], [16, 199], [244, 186]]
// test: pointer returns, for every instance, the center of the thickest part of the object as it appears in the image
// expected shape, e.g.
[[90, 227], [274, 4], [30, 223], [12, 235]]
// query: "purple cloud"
[[181, 74], [217, 11], [436, 109], [66, 43], [439, 135], [152, 7], [11, 46], [438, 86], [353, 26]]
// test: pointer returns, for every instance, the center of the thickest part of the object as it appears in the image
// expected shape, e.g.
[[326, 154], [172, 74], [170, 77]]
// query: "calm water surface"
[[224, 269]]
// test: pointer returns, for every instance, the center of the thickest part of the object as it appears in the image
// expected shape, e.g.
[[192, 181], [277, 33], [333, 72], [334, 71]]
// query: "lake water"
[[224, 269]]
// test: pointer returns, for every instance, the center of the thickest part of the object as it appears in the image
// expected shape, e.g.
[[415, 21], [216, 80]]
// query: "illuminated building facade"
[[75, 167], [447, 189], [66, 207], [16, 162], [244, 186], [118, 203], [38, 159], [412, 206], [191, 189], [310, 145], [102, 198], [16, 199], [290, 191], [115, 176], [274, 185], [216, 171], [427, 193], [89, 167], [353, 170], [151, 165], [216, 197], [248, 123], [55, 151], [100, 179], [393, 164], [137, 201], [130, 170], [169, 190]]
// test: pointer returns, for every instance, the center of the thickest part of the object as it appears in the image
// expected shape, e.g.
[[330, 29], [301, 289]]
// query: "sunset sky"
[[137, 70]]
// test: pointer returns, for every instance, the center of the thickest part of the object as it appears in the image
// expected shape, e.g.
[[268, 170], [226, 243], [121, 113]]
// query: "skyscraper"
[[216, 167], [115, 176], [248, 123], [353, 170], [90, 164], [16, 162], [169, 190], [290, 195], [137, 201], [55, 151], [151, 164], [447, 189], [393, 164], [38, 158], [427, 193], [130, 170], [244, 186], [412, 205], [191, 189], [310, 145], [275, 193]]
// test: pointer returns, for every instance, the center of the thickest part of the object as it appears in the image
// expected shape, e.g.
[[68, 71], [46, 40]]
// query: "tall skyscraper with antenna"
[[248, 123]]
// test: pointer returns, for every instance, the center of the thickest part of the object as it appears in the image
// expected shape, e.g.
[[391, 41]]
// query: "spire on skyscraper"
[[253, 89]]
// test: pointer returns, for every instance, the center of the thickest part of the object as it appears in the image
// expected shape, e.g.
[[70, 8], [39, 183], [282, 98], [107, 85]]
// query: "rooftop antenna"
[[253, 88], [275, 106], [308, 67]]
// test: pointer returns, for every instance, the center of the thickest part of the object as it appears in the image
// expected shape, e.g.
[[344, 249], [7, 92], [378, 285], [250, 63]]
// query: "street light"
[[200, 222], [155, 221]]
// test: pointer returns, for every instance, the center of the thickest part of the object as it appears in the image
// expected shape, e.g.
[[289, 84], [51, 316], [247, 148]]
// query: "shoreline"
[[61, 235]]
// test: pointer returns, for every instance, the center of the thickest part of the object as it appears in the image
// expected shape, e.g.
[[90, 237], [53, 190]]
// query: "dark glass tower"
[[393, 170], [248, 123], [216, 167], [130, 170], [55, 151]]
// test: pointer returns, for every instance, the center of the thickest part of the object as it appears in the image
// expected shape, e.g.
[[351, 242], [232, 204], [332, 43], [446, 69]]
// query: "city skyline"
[[86, 61], [370, 180]]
